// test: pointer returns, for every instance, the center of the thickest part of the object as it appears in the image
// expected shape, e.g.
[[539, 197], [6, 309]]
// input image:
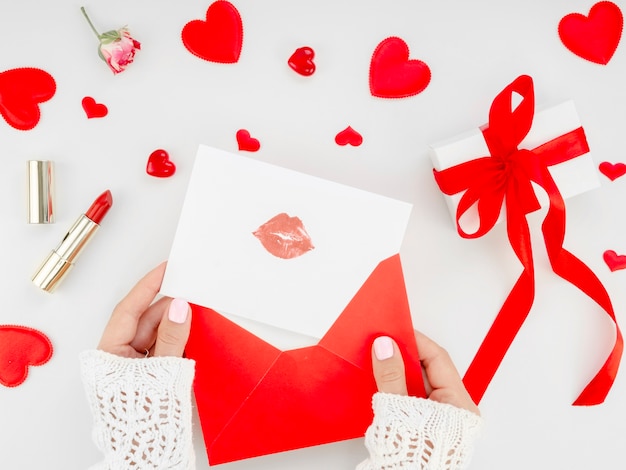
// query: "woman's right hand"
[[442, 380]]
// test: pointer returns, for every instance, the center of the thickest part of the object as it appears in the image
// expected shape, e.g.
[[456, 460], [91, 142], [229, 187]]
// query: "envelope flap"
[[229, 357], [380, 307], [309, 397]]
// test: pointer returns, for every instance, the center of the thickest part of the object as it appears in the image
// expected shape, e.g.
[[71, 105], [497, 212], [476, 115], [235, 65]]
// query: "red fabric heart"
[[301, 61], [93, 109], [21, 91], [393, 75], [21, 347], [246, 142], [349, 136], [614, 261], [612, 171], [160, 165], [594, 37], [219, 38]]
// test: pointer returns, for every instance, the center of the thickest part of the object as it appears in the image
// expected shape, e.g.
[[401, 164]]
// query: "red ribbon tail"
[[500, 336], [573, 270]]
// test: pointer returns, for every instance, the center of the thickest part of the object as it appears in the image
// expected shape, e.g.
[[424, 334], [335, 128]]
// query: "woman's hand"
[[442, 380], [138, 327]]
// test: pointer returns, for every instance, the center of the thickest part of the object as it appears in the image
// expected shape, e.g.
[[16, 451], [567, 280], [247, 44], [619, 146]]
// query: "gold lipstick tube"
[[61, 259]]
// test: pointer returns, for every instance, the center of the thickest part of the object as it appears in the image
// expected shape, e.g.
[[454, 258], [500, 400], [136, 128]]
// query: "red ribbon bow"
[[505, 177]]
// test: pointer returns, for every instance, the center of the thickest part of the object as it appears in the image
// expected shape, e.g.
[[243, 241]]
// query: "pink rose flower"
[[117, 47]]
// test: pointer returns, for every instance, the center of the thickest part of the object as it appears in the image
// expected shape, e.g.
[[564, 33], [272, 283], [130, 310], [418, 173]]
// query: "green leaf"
[[109, 37]]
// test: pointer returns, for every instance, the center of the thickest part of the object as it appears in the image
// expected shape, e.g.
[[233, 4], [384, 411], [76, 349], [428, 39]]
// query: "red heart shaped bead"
[[219, 38], [246, 142], [94, 109], [614, 261], [21, 92], [612, 171], [160, 165], [594, 37], [21, 347], [392, 74], [301, 61], [349, 136]]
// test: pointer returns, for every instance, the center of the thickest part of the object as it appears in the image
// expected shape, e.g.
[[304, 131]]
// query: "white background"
[[171, 99]]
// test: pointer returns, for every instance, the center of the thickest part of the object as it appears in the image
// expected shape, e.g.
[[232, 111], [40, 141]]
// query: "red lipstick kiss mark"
[[594, 37], [246, 142], [614, 261], [21, 347], [219, 38], [21, 91], [301, 61], [160, 165], [612, 171], [93, 109], [284, 237], [393, 75], [349, 136]]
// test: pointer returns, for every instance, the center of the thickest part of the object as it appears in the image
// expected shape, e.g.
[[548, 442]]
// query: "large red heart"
[[21, 347], [393, 75], [246, 142], [94, 109], [21, 91], [612, 171], [219, 38], [594, 37], [160, 165], [614, 261]]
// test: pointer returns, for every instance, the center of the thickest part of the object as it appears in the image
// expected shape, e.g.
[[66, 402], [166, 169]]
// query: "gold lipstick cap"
[[40, 192]]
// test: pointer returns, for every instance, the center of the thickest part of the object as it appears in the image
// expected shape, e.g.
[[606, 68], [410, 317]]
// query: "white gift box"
[[572, 177]]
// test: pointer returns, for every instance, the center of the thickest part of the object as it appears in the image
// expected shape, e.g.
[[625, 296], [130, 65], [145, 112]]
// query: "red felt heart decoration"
[[160, 165], [349, 136], [594, 37], [21, 347], [93, 109], [612, 171], [246, 142], [392, 74], [219, 38], [21, 91], [302, 61], [614, 261]]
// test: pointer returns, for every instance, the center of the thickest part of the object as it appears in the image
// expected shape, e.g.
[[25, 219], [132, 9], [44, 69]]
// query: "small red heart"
[[246, 142], [21, 91], [93, 109], [21, 347], [160, 165], [594, 37], [393, 75], [612, 171], [614, 261], [302, 61], [349, 136], [219, 38]]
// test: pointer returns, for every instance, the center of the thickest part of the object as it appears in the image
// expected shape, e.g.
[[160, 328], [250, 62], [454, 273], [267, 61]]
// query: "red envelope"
[[254, 399]]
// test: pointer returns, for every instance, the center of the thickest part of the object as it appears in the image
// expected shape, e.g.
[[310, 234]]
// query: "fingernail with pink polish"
[[178, 311], [383, 348]]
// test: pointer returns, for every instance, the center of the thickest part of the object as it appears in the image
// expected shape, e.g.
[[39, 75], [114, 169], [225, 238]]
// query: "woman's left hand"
[[140, 327]]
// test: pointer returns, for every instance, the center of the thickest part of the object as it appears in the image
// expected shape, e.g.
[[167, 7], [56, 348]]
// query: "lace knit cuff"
[[417, 433], [141, 410]]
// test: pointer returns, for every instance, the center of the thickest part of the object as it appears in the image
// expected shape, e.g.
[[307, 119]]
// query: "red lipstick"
[[62, 258]]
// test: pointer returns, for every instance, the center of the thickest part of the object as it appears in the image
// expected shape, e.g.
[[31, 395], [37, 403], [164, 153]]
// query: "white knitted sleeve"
[[420, 434], [141, 410]]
